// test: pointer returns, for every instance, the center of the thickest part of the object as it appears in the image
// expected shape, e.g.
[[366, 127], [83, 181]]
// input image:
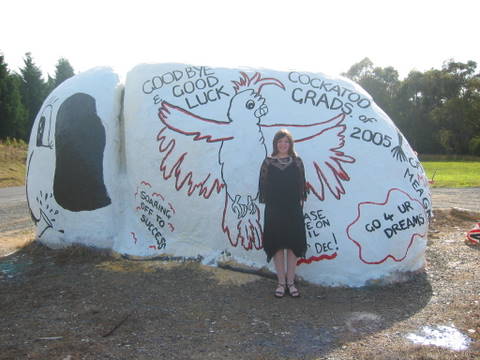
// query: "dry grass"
[[13, 157], [416, 352], [14, 240]]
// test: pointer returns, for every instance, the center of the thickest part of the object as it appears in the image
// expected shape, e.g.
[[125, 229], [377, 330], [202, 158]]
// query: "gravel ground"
[[465, 198], [14, 213], [74, 304]]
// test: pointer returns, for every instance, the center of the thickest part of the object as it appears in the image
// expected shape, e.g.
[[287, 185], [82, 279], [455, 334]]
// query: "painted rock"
[[180, 176], [73, 162]]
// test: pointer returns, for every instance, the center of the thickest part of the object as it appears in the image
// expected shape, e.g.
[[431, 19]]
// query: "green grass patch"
[[454, 174], [13, 156]]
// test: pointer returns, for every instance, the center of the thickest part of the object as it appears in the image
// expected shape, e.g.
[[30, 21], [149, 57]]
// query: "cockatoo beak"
[[261, 111]]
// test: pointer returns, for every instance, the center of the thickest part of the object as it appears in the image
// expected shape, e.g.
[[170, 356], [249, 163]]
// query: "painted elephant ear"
[[79, 145]]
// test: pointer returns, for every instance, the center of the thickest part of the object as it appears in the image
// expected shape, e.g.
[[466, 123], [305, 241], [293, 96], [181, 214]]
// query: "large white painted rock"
[[73, 162], [180, 176]]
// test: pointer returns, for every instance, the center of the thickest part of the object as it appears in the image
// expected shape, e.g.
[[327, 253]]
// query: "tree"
[[12, 112], [50, 84], [360, 70], [408, 103], [33, 89], [438, 111], [381, 83], [63, 71], [458, 115]]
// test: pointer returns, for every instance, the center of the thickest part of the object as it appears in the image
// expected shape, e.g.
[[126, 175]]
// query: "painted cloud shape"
[[382, 235]]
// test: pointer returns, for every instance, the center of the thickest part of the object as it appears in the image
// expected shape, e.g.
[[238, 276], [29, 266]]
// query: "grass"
[[450, 172], [13, 157], [429, 157]]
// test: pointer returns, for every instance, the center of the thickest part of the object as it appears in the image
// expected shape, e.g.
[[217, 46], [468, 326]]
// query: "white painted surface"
[[193, 145], [443, 336], [58, 226]]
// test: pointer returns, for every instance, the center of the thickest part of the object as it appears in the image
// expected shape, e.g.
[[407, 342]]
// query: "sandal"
[[292, 290], [280, 290]]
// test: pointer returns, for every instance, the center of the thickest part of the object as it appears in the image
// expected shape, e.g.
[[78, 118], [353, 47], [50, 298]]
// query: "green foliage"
[[438, 111], [381, 83], [474, 146], [22, 95], [63, 71], [13, 115], [33, 88]]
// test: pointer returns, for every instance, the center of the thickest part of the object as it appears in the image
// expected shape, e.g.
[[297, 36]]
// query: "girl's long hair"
[[279, 135]]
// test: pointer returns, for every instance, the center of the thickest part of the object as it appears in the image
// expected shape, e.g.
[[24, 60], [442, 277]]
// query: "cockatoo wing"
[[175, 143], [324, 167], [187, 123]]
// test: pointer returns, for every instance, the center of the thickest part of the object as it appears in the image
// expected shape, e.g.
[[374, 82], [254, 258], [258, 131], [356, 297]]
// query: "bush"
[[474, 146]]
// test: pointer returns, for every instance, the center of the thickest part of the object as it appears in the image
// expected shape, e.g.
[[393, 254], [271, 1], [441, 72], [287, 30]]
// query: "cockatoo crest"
[[256, 82]]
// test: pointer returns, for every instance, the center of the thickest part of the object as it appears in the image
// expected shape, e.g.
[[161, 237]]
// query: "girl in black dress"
[[282, 189]]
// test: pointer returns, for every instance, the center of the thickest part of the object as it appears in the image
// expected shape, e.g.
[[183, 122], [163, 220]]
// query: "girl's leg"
[[291, 267], [279, 261]]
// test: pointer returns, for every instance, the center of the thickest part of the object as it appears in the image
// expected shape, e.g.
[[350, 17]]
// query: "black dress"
[[282, 188]]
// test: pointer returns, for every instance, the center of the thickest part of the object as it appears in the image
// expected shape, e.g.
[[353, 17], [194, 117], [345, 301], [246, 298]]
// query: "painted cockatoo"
[[241, 130]]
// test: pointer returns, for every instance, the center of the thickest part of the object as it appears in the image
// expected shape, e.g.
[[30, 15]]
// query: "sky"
[[317, 36]]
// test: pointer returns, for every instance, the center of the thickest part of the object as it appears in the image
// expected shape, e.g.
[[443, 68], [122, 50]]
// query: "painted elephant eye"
[[250, 104]]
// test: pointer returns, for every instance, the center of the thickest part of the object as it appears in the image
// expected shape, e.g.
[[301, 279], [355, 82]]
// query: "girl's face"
[[283, 145]]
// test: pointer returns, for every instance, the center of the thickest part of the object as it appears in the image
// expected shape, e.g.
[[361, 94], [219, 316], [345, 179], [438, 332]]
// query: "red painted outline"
[[342, 115], [153, 247], [256, 79], [316, 258], [252, 231], [164, 113], [134, 237], [337, 158], [172, 228], [138, 208], [136, 193], [422, 179], [146, 183], [175, 170], [171, 207], [383, 203], [158, 195], [473, 236]]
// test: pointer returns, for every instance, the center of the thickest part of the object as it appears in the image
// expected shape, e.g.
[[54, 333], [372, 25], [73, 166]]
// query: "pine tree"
[[33, 89], [63, 71], [13, 115], [50, 84]]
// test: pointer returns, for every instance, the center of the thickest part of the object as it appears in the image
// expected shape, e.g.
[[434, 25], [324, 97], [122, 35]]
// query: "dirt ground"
[[77, 304]]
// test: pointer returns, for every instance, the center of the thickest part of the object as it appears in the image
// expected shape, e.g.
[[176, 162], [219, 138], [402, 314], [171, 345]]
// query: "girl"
[[282, 189]]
